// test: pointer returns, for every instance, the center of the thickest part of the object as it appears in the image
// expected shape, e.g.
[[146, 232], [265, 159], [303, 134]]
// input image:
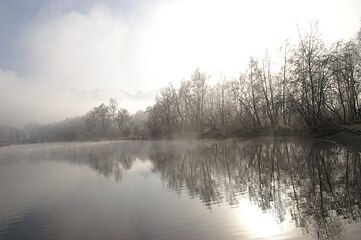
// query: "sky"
[[60, 58]]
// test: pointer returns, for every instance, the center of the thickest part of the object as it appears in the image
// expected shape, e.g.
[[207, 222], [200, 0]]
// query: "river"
[[259, 188]]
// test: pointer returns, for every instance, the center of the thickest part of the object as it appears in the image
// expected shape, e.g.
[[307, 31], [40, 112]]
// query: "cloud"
[[75, 61], [79, 50], [164, 42], [22, 102]]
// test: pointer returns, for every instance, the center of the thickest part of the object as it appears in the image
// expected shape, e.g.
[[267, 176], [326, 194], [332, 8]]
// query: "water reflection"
[[317, 184], [109, 159]]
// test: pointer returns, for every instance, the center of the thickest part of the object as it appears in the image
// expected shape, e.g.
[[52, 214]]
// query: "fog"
[[22, 102], [63, 58]]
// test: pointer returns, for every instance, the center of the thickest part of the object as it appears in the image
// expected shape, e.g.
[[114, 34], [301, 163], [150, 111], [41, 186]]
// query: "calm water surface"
[[232, 189]]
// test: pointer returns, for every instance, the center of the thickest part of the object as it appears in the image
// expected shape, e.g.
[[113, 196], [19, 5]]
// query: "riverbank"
[[4, 144], [347, 135]]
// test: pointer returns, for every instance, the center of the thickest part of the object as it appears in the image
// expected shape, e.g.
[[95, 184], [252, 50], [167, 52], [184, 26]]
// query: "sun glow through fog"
[[215, 36], [220, 36]]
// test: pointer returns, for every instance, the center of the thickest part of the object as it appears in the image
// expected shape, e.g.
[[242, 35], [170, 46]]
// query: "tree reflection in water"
[[109, 159], [318, 183]]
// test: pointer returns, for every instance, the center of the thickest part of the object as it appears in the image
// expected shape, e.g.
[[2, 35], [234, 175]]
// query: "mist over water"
[[88, 90], [232, 189]]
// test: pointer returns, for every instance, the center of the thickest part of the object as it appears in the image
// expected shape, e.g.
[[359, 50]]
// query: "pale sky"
[[47, 46]]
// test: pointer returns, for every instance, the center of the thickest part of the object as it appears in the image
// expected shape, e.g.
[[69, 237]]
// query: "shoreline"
[[345, 135]]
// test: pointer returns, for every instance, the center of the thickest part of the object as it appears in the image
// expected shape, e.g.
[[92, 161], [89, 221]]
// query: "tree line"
[[100, 123], [313, 86]]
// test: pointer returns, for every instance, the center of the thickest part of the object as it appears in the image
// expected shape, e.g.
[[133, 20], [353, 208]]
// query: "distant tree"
[[122, 120], [268, 90], [198, 91], [310, 77]]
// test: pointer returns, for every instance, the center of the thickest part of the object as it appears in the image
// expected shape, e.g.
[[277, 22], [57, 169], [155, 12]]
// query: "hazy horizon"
[[50, 46]]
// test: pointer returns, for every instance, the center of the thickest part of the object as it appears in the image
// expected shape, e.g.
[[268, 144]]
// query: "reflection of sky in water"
[[259, 223], [178, 190]]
